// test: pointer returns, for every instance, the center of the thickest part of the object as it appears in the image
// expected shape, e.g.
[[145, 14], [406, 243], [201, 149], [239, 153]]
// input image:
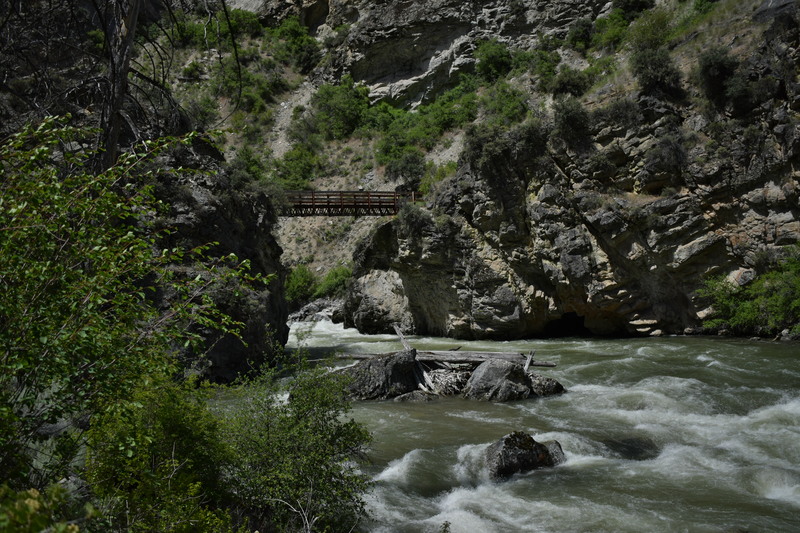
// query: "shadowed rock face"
[[205, 208]]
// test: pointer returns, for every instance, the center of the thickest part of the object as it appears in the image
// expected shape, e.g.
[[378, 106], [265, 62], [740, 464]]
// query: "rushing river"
[[662, 434]]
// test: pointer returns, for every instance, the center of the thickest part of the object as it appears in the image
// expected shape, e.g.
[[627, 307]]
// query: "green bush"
[[656, 72], [610, 31], [155, 462], [338, 110], [571, 121], [572, 82], [79, 331], [300, 285], [494, 60], [504, 104], [766, 306], [297, 167], [294, 46], [334, 283], [580, 34], [292, 467], [651, 31], [703, 6], [404, 131], [542, 63], [410, 166], [434, 174], [715, 68]]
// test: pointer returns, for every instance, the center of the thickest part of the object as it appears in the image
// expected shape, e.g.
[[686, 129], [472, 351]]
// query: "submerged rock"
[[518, 452], [416, 396], [633, 448], [383, 377]]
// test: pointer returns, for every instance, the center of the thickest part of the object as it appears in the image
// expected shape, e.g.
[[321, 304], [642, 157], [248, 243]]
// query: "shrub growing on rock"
[[716, 67], [571, 121], [766, 306], [494, 60]]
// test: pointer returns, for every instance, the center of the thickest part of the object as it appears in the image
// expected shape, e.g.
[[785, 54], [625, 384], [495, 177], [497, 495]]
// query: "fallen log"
[[449, 356]]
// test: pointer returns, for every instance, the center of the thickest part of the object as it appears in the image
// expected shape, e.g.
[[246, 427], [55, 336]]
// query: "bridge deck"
[[344, 203]]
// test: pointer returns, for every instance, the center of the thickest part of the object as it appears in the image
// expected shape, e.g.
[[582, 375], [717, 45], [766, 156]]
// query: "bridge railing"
[[345, 203]]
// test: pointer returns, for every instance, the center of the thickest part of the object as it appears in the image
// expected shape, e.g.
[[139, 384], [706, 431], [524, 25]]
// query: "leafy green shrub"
[[571, 121], [217, 32], [295, 46], [542, 63], [410, 166], [406, 131], [73, 290], [334, 283], [246, 167], [651, 31], [251, 83], [155, 461], [292, 463], [715, 68], [703, 6], [412, 220], [580, 34], [656, 72], [298, 167], [610, 31], [300, 285], [668, 155], [338, 110], [571, 81], [494, 60], [766, 306], [31, 510], [504, 104], [202, 111], [488, 145], [434, 174], [623, 112]]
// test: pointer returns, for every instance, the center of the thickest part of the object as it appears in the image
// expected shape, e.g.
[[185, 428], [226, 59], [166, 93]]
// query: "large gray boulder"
[[383, 377], [518, 452], [498, 380]]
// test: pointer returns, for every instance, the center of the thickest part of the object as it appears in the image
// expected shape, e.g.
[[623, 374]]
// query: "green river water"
[[661, 434]]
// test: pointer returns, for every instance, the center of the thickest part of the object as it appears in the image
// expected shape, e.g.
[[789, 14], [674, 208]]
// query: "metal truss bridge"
[[344, 203]]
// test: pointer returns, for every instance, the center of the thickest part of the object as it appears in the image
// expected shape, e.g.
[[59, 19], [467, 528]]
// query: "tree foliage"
[[292, 460], [494, 60], [77, 271]]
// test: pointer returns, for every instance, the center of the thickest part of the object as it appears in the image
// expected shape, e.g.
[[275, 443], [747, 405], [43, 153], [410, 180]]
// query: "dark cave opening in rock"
[[569, 325]]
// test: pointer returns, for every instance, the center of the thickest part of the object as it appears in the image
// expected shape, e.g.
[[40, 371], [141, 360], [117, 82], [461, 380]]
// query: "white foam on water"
[[470, 466], [776, 484], [398, 470]]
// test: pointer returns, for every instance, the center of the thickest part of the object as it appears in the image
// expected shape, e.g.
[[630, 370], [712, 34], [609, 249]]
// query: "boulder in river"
[[518, 452], [383, 377], [502, 381]]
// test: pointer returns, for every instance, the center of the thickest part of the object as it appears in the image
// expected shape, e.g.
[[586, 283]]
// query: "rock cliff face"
[[609, 236], [408, 51], [206, 208]]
